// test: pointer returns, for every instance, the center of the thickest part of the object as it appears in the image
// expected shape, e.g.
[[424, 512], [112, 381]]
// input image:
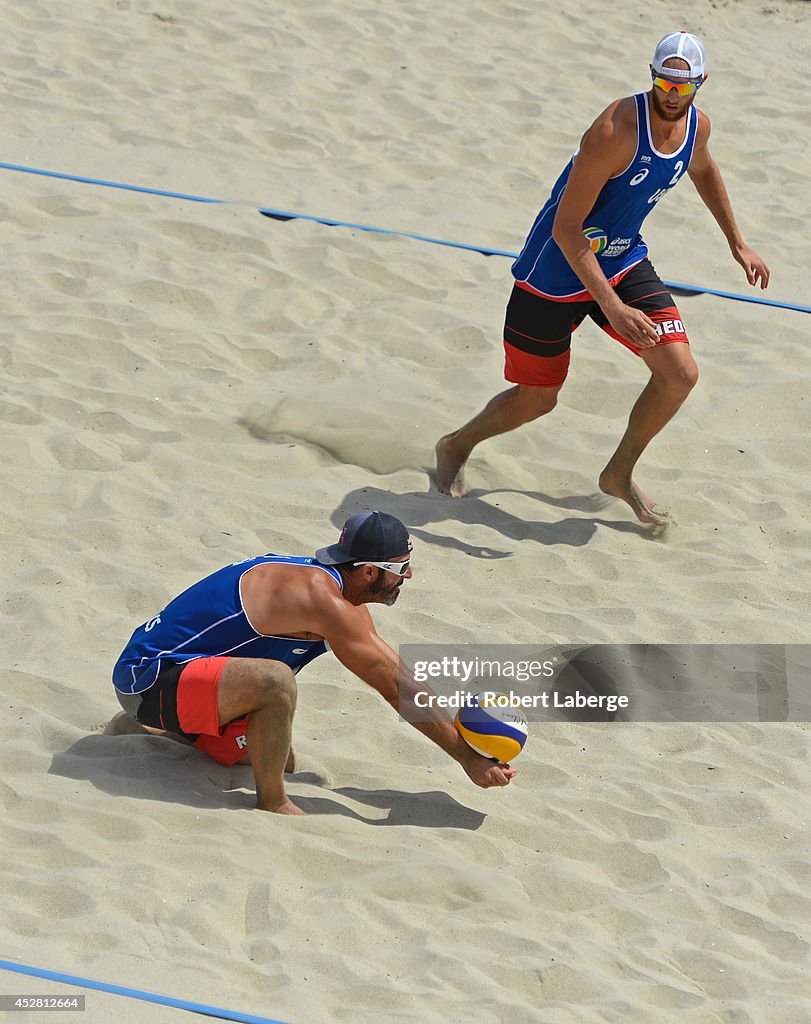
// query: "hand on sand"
[[485, 773]]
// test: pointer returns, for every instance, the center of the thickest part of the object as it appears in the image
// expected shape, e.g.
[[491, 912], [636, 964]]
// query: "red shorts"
[[184, 700], [538, 331]]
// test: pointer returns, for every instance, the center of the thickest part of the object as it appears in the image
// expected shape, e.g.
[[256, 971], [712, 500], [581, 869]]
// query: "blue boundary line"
[[284, 215], [109, 184], [134, 993]]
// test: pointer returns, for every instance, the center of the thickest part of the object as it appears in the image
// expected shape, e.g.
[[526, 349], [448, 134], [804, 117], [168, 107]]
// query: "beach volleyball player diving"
[[216, 668], [584, 256]]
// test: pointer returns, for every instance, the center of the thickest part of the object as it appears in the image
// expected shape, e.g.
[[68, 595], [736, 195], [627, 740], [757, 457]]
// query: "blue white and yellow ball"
[[491, 727]]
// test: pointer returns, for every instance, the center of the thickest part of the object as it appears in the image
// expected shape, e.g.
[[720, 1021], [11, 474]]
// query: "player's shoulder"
[[611, 139], [321, 582], [331, 610], [615, 125], [294, 583]]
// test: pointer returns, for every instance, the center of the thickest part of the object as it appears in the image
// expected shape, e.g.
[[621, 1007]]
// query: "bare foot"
[[121, 725], [450, 463], [643, 508], [286, 807]]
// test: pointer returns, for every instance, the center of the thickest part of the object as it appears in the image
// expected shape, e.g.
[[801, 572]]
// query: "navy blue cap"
[[367, 537]]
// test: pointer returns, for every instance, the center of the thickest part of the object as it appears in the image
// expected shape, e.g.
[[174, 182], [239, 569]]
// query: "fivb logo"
[[597, 239]]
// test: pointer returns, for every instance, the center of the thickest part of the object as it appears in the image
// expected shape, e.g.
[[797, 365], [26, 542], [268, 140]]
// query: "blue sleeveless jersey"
[[612, 226], [208, 620]]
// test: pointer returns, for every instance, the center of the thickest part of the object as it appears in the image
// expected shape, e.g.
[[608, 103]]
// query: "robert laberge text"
[[608, 702]]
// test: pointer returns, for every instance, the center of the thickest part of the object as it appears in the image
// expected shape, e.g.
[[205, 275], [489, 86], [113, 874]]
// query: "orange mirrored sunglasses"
[[682, 88]]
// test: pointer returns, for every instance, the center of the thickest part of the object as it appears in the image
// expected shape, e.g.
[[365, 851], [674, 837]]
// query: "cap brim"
[[333, 555], [675, 73]]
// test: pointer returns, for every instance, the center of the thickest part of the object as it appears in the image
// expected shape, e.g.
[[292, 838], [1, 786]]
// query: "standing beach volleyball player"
[[585, 257], [216, 667]]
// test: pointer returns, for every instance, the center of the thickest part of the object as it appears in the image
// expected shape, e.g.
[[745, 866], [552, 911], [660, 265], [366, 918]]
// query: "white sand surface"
[[186, 384]]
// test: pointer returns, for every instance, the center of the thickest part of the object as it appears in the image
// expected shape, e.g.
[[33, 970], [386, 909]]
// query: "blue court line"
[[134, 993], [108, 184], [284, 215], [698, 290]]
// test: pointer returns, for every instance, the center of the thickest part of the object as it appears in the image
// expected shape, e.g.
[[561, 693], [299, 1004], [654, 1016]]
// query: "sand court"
[[185, 385]]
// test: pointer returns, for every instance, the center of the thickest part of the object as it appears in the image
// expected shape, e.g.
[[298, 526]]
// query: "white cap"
[[686, 47]]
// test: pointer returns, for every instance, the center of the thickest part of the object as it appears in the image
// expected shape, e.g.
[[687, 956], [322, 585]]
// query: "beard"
[[387, 592], [664, 113]]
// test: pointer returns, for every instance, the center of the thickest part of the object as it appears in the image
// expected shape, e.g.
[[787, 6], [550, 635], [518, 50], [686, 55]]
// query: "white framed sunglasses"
[[398, 568]]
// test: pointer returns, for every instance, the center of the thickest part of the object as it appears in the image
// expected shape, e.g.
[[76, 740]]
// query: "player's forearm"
[[581, 259], [710, 186], [444, 734], [417, 704], [380, 668]]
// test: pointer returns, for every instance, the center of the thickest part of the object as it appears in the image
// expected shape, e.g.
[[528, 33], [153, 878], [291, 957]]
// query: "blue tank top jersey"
[[612, 226], [208, 620]]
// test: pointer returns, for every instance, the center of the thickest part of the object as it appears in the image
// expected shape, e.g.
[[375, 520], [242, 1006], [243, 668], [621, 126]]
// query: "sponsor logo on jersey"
[[597, 239], [617, 246]]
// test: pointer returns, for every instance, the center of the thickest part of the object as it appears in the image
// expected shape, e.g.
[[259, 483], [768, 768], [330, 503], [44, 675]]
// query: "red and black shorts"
[[183, 700], [538, 331]]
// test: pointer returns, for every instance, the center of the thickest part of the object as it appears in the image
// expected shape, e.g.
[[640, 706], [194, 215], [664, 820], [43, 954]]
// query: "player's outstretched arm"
[[358, 647], [312, 603]]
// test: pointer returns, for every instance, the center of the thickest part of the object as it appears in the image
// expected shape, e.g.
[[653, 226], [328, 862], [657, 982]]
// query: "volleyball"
[[491, 727]]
